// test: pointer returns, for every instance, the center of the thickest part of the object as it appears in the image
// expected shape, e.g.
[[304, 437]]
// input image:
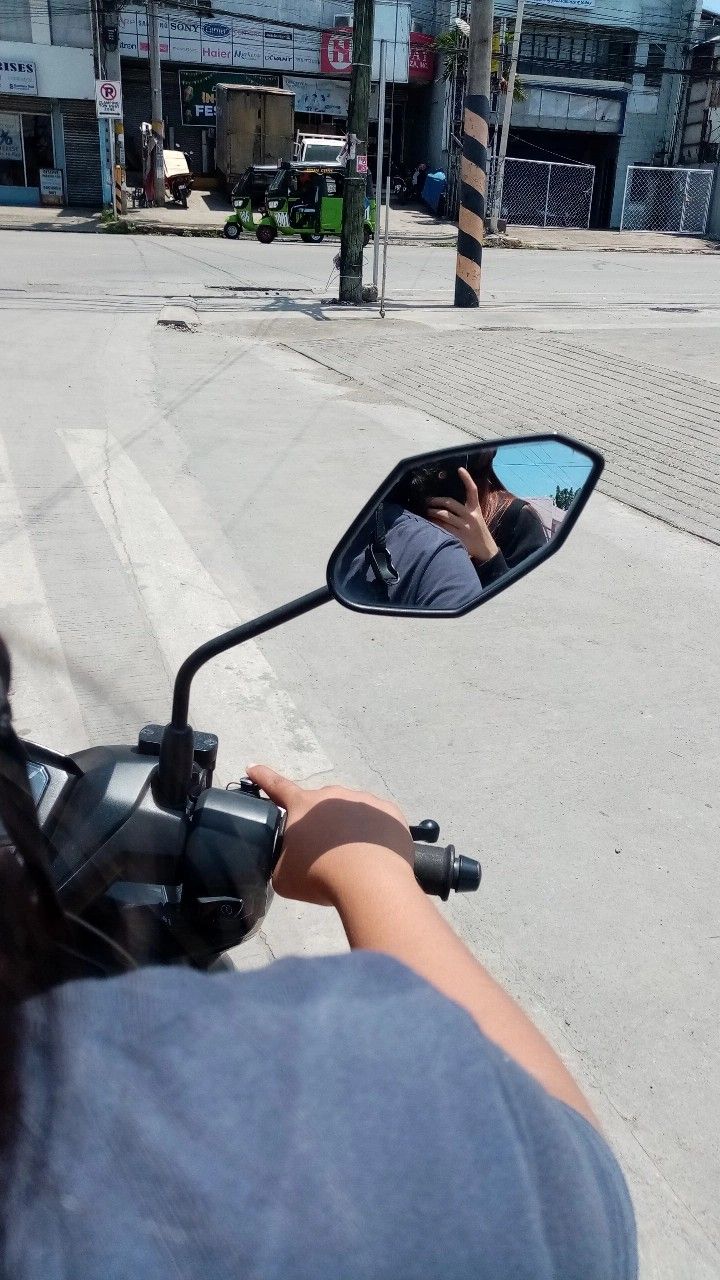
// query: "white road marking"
[[45, 707], [237, 696]]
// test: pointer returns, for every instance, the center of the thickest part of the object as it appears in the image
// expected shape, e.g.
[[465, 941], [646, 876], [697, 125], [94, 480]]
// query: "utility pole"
[[473, 172], [110, 37], [353, 217], [507, 113], [379, 165], [158, 127]]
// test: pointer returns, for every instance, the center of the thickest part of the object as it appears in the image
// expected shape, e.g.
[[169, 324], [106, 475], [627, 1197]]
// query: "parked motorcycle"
[[400, 187], [178, 179], [171, 869]]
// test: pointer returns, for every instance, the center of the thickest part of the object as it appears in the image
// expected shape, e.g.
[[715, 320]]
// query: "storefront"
[[198, 53], [26, 146], [49, 143]]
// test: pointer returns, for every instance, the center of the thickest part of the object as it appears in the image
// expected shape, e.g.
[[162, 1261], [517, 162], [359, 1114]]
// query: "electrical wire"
[[549, 26]]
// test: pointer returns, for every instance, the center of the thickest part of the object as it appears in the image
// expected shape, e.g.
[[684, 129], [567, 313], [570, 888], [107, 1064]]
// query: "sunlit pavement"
[[158, 483]]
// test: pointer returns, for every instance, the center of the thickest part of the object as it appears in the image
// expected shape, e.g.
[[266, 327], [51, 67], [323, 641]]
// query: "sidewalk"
[[657, 427], [409, 226]]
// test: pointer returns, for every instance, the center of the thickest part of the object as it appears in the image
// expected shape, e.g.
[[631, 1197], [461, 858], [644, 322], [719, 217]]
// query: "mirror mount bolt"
[[428, 830]]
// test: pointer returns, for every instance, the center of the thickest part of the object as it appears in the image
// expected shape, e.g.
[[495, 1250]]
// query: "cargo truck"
[[255, 125]]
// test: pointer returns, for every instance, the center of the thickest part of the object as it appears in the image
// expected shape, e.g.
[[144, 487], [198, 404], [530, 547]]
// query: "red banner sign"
[[336, 53], [422, 58]]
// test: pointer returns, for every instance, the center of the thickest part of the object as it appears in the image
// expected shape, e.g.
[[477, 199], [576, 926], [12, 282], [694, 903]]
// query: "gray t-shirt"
[[331, 1119], [434, 571]]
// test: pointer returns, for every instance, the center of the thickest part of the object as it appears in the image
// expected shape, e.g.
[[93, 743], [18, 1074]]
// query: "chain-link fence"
[[543, 193], [673, 200]]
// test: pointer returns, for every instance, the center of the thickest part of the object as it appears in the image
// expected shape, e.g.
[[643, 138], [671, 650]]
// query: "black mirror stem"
[[176, 751]]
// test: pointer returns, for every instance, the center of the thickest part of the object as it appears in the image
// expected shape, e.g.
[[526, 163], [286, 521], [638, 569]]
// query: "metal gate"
[[544, 193], [82, 156], [670, 200]]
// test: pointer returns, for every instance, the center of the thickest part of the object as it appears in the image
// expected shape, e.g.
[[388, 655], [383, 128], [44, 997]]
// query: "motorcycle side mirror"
[[445, 532], [449, 530]]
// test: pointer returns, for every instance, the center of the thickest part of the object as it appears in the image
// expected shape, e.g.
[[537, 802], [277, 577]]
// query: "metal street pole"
[[473, 173], [353, 216], [158, 127], [496, 211], [379, 166], [500, 98], [112, 63]]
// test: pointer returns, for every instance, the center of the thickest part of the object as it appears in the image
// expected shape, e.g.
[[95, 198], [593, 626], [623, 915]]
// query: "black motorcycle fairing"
[[112, 828]]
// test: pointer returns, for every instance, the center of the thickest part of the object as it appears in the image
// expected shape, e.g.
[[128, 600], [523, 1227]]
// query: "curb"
[[438, 240]]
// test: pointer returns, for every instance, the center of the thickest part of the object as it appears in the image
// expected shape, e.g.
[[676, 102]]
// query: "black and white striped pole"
[[473, 174]]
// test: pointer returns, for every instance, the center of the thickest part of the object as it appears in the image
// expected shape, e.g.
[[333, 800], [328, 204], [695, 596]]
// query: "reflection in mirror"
[[452, 528]]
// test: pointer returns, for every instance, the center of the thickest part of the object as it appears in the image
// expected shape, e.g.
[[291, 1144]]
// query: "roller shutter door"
[[82, 157]]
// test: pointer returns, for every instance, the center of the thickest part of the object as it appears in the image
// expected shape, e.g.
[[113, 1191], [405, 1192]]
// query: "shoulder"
[[345, 1088], [174, 1003], [414, 536], [521, 514], [416, 529], [520, 529]]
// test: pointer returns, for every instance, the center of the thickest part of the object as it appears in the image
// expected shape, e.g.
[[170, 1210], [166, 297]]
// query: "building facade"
[[602, 86], [50, 50], [49, 140], [301, 45]]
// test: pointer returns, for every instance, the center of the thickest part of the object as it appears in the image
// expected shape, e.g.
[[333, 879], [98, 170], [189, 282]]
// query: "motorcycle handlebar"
[[440, 871]]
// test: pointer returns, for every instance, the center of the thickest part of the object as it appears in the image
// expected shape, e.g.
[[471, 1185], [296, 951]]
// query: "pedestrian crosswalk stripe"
[[239, 697]]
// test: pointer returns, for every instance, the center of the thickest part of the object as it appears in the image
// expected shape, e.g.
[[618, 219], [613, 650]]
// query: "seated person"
[[497, 529], [400, 558]]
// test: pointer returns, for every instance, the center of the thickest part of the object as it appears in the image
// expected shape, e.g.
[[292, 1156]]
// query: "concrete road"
[[158, 485], [125, 271]]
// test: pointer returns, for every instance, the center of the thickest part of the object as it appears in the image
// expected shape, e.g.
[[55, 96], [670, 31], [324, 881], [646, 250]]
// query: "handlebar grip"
[[439, 870]]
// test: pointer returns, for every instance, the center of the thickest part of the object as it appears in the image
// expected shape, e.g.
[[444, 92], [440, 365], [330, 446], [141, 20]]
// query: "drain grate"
[[253, 288]]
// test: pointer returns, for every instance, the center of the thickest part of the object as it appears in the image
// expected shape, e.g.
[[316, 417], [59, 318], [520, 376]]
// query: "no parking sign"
[[108, 99]]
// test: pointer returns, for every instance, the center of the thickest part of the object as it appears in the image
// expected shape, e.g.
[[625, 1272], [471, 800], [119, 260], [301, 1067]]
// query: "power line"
[[548, 25]]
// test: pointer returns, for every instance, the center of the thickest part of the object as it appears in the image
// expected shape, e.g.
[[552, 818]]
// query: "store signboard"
[[18, 76], [321, 97], [278, 48], [51, 187], [422, 58], [247, 43], [392, 25], [306, 50], [241, 42], [315, 96], [222, 42], [564, 4], [216, 42], [197, 92]]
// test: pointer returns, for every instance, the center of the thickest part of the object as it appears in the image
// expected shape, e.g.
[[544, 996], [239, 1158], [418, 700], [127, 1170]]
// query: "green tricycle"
[[303, 200]]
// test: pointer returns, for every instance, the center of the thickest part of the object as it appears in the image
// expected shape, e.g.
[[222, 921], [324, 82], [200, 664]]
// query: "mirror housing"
[[435, 541]]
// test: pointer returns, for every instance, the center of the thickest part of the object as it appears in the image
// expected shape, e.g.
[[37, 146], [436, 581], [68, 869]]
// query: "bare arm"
[[352, 851]]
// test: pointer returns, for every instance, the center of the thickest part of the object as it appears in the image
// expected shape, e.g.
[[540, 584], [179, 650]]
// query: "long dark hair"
[[441, 480], [32, 923]]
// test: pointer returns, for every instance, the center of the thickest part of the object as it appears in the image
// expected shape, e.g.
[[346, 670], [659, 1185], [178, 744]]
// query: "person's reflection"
[[400, 558], [497, 529]]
